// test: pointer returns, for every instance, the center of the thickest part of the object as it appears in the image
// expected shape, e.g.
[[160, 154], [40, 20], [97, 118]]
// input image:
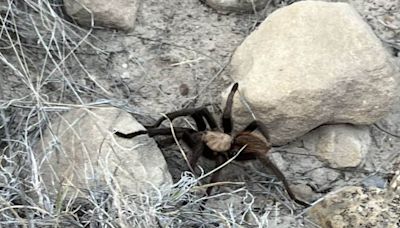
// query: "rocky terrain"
[[323, 77]]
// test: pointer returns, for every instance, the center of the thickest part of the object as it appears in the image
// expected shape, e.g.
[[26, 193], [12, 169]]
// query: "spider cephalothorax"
[[217, 141], [217, 144]]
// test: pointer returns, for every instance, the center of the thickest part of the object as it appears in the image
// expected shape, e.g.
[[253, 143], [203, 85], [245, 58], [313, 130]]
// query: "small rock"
[[323, 176], [312, 63], [125, 75], [239, 6], [81, 152], [375, 181], [118, 14], [304, 192], [341, 146], [184, 89]]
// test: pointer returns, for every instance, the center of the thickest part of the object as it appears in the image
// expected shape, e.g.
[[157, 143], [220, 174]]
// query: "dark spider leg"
[[197, 113], [170, 140], [267, 162], [130, 135], [196, 146], [210, 119], [227, 114], [215, 176], [153, 132], [173, 115], [167, 131], [258, 125], [185, 134], [214, 179], [201, 125]]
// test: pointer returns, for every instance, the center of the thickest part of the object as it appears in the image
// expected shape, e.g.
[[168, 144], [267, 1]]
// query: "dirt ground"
[[173, 59], [178, 57], [185, 44]]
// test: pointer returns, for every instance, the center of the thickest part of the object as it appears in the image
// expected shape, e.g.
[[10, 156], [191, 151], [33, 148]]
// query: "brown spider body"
[[217, 141], [222, 143], [217, 144], [255, 146]]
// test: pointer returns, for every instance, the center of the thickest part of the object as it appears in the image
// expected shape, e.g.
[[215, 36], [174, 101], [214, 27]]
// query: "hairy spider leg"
[[215, 176], [198, 118], [277, 172], [185, 134], [258, 125], [196, 113], [154, 131], [196, 146], [130, 135], [254, 140], [227, 123]]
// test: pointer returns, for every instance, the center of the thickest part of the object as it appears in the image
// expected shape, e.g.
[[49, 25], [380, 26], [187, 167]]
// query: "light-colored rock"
[[240, 6], [80, 153], [340, 145], [312, 63], [359, 207], [323, 176], [118, 14], [304, 192]]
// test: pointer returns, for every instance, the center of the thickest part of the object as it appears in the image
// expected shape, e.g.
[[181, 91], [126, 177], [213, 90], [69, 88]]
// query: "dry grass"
[[39, 80]]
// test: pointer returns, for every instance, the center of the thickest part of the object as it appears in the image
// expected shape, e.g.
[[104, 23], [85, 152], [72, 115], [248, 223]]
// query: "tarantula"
[[216, 144]]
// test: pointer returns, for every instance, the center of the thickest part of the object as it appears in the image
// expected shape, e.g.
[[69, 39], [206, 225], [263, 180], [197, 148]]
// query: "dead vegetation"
[[43, 77]]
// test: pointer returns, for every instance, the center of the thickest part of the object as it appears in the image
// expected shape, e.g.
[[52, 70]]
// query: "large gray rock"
[[312, 63], [119, 14], [240, 6], [81, 152]]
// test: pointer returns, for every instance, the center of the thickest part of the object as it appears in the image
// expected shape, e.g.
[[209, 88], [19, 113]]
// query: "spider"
[[216, 144]]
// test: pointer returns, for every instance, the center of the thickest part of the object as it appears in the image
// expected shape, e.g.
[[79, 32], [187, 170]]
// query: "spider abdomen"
[[255, 146]]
